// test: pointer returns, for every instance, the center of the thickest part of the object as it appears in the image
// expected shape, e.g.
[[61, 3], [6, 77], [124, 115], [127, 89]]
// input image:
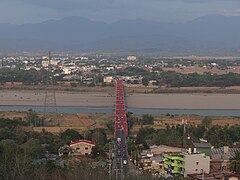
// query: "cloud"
[[235, 12]]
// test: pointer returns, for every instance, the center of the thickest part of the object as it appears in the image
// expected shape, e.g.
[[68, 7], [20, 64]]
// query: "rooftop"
[[218, 153], [202, 145], [83, 141], [164, 149]]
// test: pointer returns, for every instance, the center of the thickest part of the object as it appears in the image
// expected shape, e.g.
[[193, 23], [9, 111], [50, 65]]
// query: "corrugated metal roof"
[[218, 153]]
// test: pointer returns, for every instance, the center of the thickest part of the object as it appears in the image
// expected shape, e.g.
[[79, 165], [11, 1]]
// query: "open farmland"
[[86, 122]]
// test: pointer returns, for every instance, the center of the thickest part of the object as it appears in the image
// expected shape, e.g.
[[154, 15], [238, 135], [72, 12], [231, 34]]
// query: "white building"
[[67, 70], [45, 63], [196, 163], [54, 62], [108, 79], [82, 147], [131, 58]]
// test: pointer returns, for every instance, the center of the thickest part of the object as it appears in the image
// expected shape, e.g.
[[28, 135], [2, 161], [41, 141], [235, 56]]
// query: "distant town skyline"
[[29, 11]]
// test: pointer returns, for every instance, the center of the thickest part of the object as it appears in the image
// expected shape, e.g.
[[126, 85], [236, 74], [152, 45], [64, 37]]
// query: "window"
[[86, 148], [197, 163], [86, 154], [77, 148], [196, 169]]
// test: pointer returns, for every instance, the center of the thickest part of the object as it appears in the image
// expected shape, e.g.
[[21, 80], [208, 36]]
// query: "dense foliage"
[[23, 154], [169, 78], [218, 136], [174, 79]]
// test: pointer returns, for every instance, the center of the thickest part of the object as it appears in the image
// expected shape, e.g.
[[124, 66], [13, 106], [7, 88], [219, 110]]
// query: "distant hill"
[[76, 33]]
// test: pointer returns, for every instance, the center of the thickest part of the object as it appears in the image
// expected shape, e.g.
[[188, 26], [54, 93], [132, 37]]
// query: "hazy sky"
[[22, 11]]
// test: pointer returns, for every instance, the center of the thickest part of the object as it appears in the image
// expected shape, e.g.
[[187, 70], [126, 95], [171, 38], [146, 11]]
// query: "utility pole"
[[121, 168], [116, 173], [184, 122], [110, 162]]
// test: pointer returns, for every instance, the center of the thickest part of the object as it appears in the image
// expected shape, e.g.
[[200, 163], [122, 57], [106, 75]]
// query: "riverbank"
[[36, 98], [129, 88]]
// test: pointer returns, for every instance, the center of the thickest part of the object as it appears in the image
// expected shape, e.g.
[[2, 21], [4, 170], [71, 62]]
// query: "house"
[[213, 176], [203, 148], [152, 160], [131, 58], [162, 149], [54, 62], [157, 164], [108, 79], [174, 164], [45, 63], [67, 70], [186, 163], [220, 158], [232, 176], [82, 147], [196, 163], [236, 144]]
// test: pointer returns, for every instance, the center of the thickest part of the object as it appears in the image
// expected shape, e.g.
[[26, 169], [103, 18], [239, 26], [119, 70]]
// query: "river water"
[[139, 111]]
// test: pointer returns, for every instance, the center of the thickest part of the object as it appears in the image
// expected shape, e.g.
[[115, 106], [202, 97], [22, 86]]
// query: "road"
[[122, 159]]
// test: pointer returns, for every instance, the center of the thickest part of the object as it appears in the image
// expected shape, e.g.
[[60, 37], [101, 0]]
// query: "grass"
[[86, 122]]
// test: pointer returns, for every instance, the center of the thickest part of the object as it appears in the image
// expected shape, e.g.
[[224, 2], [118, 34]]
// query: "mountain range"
[[81, 34]]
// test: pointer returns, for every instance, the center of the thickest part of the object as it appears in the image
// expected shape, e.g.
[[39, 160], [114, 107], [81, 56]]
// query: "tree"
[[32, 148], [130, 120], [206, 121], [14, 163], [129, 114], [98, 136], [6, 133], [147, 119], [70, 135], [145, 81], [110, 125], [98, 151], [235, 163], [143, 133], [160, 137], [33, 118]]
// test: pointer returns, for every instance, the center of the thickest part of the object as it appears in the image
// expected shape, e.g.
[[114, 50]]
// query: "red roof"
[[84, 141]]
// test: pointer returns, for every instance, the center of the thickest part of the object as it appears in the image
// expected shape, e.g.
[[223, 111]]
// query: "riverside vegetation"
[[22, 150]]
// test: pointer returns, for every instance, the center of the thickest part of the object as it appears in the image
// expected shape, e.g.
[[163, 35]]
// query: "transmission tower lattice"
[[50, 116]]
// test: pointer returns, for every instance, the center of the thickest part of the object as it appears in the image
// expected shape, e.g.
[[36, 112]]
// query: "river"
[[139, 111]]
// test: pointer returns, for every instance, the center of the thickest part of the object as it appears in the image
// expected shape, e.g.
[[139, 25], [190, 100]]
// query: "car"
[[124, 161]]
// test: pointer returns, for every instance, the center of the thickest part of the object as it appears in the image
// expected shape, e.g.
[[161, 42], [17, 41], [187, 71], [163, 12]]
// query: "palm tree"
[[235, 163]]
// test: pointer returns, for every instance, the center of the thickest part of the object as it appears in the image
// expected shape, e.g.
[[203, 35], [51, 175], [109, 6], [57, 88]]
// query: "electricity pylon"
[[50, 116]]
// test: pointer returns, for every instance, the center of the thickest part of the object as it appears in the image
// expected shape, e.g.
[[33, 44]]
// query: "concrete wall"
[[196, 163], [82, 148]]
